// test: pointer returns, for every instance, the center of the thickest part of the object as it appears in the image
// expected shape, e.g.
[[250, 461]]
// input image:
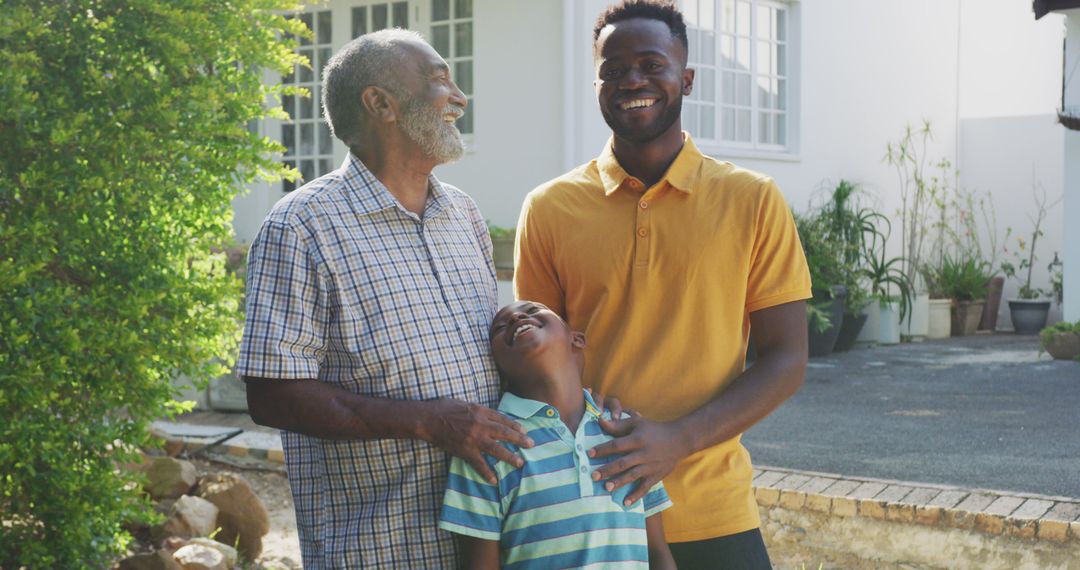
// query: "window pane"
[[401, 14], [440, 10], [727, 88], [324, 56], [742, 18], [781, 59], [463, 9], [707, 15], [465, 123], [440, 39], [307, 106], [727, 51], [463, 39], [288, 105], [727, 16], [307, 139], [690, 12], [287, 186], [708, 47], [693, 54], [781, 129], [690, 119], [463, 76], [323, 25], [380, 17], [306, 19], [742, 126], [781, 25], [742, 89], [359, 21], [764, 22], [706, 80], [305, 69], [307, 170], [326, 141], [764, 61], [324, 166], [727, 124], [781, 94], [765, 128], [742, 54], [708, 122], [288, 138], [764, 93]]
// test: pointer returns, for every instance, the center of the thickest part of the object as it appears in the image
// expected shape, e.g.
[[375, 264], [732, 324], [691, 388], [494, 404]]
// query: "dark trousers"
[[743, 551]]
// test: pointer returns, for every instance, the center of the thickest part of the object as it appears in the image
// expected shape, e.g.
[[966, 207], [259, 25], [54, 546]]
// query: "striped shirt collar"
[[373, 196], [525, 408]]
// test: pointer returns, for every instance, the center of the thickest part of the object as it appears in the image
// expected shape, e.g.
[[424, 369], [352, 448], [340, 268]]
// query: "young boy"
[[549, 513]]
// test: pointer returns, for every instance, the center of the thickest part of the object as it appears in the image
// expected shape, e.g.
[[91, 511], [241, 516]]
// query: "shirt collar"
[[525, 408], [681, 175], [373, 196]]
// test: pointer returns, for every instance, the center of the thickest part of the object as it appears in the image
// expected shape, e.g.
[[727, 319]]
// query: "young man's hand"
[[650, 450], [469, 430]]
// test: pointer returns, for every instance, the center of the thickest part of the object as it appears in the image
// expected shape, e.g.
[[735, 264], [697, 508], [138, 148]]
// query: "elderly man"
[[370, 292]]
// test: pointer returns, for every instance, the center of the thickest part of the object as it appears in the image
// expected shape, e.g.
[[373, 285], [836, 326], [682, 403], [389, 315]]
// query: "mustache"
[[456, 110]]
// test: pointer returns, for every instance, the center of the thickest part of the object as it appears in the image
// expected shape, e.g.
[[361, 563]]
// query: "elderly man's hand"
[[650, 451], [469, 430]]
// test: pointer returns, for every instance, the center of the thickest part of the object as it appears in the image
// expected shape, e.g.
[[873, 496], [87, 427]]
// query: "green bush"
[[962, 278], [123, 139]]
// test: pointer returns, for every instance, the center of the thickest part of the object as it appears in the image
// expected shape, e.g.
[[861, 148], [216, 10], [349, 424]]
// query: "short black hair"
[[661, 10]]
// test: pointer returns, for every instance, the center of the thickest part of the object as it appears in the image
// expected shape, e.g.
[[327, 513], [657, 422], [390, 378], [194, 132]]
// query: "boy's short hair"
[[661, 10]]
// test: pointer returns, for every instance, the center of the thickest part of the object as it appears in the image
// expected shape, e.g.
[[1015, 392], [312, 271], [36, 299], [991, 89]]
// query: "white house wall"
[[1072, 177]]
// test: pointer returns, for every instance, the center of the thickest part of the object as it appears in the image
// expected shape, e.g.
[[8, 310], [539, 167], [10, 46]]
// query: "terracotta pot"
[[993, 304], [1064, 345], [965, 317], [939, 319]]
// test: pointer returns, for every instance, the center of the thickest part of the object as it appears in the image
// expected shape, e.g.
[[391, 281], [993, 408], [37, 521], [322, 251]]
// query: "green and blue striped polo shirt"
[[550, 513]]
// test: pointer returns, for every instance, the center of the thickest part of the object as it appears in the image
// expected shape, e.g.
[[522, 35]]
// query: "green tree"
[[123, 139]]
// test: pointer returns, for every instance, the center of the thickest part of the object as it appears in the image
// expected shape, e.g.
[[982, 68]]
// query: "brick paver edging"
[[997, 513]]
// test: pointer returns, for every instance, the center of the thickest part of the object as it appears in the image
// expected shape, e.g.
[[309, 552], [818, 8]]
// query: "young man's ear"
[[577, 339], [687, 82], [379, 104]]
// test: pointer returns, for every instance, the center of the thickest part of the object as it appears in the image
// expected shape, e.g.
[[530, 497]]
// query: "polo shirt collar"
[[681, 175], [524, 408], [373, 196]]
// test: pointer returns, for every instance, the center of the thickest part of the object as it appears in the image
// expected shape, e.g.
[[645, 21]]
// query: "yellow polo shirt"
[[661, 280]]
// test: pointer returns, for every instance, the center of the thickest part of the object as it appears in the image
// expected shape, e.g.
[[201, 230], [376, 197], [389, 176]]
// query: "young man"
[[549, 513], [667, 259], [370, 291]]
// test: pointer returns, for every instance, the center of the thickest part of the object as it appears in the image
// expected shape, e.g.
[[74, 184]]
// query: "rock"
[[169, 478], [227, 551], [158, 560], [173, 543], [241, 514], [190, 516], [199, 557]]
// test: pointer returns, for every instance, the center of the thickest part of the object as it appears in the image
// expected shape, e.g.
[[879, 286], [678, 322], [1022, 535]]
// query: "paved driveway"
[[979, 412]]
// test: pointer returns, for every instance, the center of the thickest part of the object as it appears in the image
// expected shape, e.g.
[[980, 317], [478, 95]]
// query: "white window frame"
[[695, 103], [453, 58]]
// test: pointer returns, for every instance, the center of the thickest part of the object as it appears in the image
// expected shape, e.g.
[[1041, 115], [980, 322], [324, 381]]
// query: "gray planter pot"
[[1028, 316]]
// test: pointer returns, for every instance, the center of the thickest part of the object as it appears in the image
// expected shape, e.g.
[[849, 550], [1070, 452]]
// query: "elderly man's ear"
[[379, 104]]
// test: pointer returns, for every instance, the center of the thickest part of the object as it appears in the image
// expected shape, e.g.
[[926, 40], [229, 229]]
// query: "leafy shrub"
[[123, 139], [963, 278]]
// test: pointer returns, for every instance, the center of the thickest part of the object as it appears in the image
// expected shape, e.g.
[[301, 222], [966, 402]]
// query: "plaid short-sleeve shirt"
[[348, 287]]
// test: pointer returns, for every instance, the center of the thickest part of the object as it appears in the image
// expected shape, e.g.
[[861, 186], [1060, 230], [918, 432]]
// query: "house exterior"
[[808, 91]]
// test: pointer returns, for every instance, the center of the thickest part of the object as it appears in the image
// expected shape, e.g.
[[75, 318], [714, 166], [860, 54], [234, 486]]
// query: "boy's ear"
[[577, 339]]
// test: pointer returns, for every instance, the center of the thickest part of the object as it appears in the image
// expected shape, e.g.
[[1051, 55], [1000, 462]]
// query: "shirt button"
[[642, 232], [635, 183], [584, 469], [644, 205], [580, 448]]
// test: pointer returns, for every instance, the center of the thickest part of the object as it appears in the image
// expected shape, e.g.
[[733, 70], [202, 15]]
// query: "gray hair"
[[369, 60]]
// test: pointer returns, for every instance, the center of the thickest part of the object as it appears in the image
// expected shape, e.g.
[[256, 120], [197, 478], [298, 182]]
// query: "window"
[[452, 37], [741, 97], [307, 140]]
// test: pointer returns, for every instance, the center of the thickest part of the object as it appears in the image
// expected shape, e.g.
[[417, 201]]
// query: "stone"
[[169, 478], [191, 516], [930, 516], [1056, 531], [975, 503], [817, 485], [921, 496], [1004, 506], [792, 500], [1064, 512], [844, 506], [841, 488], [819, 503], [989, 523], [947, 499], [767, 497], [872, 509], [242, 516], [900, 513], [792, 482], [768, 479], [1021, 528], [867, 490], [894, 493], [1032, 509], [199, 557], [230, 553], [157, 560]]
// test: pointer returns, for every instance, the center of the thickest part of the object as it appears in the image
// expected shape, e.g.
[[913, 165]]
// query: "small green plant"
[[1057, 279], [962, 278], [499, 233], [1022, 258], [1047, 334]]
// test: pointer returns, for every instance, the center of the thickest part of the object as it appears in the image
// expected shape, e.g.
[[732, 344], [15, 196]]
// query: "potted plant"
[[502, 242], [825, 311], [1062, 340], [889, 287], [1031, 305], [964, 280], [939, 313]]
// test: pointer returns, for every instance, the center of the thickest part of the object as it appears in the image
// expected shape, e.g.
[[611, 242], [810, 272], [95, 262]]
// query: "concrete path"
[[982, 412]]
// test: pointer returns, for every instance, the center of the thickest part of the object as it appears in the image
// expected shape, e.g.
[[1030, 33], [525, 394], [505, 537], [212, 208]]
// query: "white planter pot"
[[871, 330], [890, 323], [918, 325], [939, 318]]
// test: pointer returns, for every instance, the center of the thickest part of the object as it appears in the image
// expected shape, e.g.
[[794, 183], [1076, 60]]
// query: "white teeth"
[[522, 330], [637, 103]]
